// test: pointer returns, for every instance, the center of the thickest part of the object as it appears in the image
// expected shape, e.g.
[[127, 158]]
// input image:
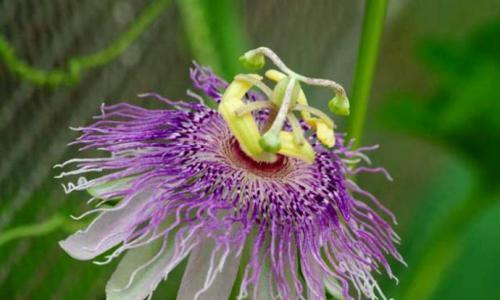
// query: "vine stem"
[[373, 24], [39, 229], [76, 66]]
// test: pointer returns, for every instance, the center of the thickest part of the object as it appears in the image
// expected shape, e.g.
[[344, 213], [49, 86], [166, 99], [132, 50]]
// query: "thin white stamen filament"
[[195, 96], [324, 117], [298, 133], [79, 171], [81, 160], [248, 108]]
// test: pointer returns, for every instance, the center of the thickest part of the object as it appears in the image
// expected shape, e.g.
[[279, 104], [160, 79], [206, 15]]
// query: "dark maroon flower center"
[[241, 159]]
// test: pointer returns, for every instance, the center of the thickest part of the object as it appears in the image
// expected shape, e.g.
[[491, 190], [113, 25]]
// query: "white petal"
[[142, 269], [139, 272], [209, 275], [314, 280], [106, 231]]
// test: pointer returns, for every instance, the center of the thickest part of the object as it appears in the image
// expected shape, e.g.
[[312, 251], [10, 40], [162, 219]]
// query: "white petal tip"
[[75, 251]]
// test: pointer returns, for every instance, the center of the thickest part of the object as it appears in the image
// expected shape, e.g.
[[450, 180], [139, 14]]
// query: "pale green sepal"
[[99, 190], [107, 230], [201, 280], [333, 287], [146, 279]]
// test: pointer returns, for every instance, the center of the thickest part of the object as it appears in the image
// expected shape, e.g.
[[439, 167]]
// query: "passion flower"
[[258, 190]]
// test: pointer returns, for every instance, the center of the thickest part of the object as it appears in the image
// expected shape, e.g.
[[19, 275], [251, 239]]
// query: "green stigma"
[[339, 105], [270, 142], [253, 61], [262, 142]]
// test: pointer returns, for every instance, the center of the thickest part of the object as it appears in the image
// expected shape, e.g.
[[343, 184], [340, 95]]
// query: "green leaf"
[[463, 109], [474, 273], [448, 190]]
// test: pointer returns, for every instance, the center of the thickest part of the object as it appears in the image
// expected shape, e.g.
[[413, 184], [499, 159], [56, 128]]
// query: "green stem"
[[77, 65], [50, 225], [373, 24]]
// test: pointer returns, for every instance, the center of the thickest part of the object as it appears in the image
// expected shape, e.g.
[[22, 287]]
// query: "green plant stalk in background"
[[215, 33], [72, 73], [373, 24]]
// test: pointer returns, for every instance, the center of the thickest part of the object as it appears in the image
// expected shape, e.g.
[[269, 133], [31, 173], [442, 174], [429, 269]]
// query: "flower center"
[[266, 169], [285, 100]]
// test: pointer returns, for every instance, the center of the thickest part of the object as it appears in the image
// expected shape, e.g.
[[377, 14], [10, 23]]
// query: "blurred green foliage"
[[464, 110], [451, 248]]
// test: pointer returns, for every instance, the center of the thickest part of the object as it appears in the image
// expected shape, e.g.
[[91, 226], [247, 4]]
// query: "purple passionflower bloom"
[[175, 184]]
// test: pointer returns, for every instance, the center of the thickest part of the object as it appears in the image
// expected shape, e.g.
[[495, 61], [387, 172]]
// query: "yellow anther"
[[290, 148], [243, 127], [324, 131], [257, 81], [274, 75], [308, 110], [301, 99], [325, 134]]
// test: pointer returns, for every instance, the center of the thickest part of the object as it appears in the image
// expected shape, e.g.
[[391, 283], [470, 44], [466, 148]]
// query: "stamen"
[[289, 97], [261, 85], [195, 96], [298, 133], [337, 88], [325, 134], [270, 140], [324, 117], [248, 108]]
